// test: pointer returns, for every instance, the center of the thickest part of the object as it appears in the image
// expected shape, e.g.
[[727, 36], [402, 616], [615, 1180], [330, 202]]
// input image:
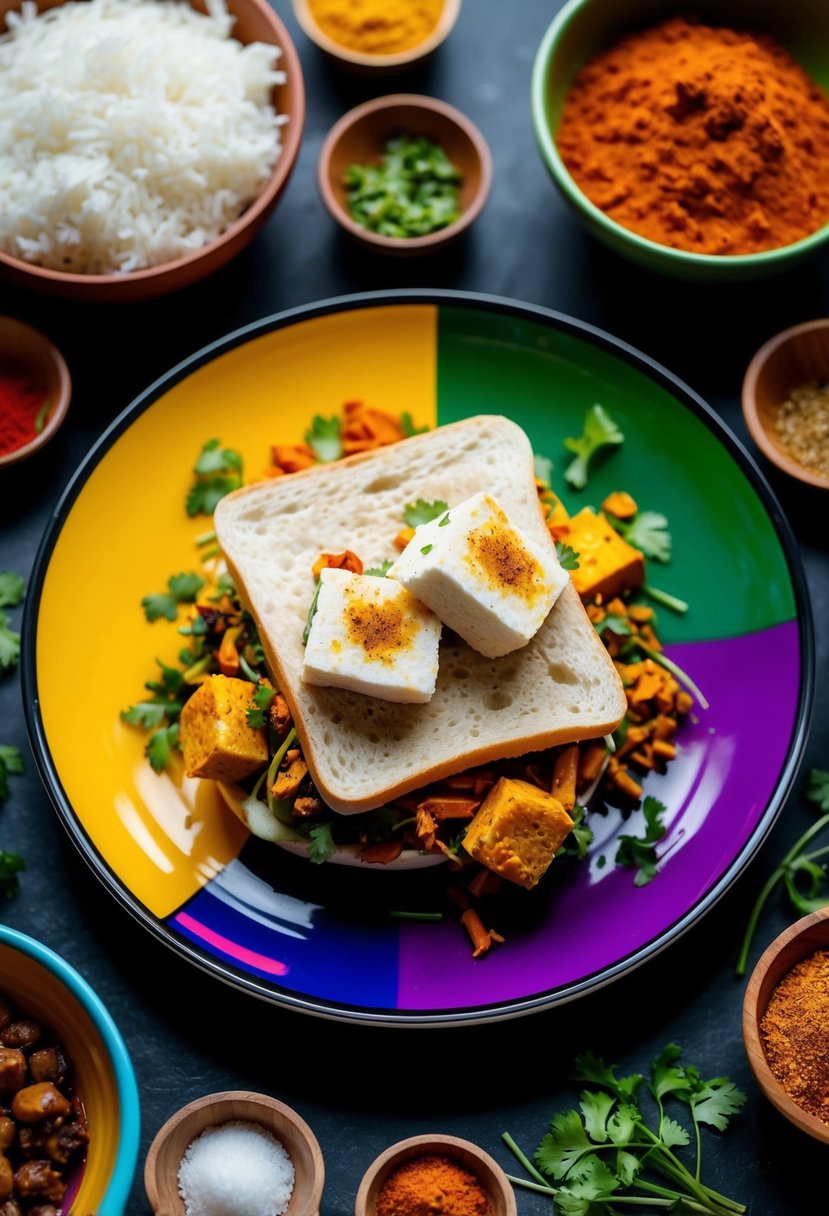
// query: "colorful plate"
[[319, 938]]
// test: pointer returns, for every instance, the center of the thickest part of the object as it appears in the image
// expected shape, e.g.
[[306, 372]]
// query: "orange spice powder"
[[431, 1185], [795, 1034], [702, 138]]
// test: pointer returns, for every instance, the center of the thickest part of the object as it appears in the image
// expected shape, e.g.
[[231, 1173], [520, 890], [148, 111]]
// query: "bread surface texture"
[[362, 751]]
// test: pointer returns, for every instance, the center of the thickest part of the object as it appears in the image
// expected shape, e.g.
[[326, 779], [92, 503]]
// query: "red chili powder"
[[21, 403]]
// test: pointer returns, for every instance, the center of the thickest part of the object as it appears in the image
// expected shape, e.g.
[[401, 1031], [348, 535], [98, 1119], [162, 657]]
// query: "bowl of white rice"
[[143, 143]]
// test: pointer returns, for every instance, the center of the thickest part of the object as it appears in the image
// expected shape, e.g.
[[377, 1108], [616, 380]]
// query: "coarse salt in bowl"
[[236, 1168], [248, 1175]]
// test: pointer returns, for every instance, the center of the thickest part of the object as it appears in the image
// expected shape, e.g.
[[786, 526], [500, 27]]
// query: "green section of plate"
[[730, 565]]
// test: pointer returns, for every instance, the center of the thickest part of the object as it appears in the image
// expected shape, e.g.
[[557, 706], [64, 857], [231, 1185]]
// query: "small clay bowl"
[[801, 939], [360, 136], [791, 358], [362, 61], [498, 1187], [181, 1129], [26, 350]]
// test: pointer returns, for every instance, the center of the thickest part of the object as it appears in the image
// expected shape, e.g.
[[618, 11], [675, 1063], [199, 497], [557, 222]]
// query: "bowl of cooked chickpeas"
[[69, 1110]]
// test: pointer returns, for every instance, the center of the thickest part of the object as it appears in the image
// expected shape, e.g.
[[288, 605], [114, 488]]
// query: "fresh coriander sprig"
[[10, 866], [217, 471], [12, 590], [796, 864], [640, 851], [606, 1152], [325, 439], [181, 589], [599, 431], [422, 512], [11, 762], [648, 532]]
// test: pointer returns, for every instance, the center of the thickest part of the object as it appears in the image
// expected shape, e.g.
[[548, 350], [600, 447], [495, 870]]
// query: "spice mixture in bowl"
[[35, 390], [377, 35], [696, 144]]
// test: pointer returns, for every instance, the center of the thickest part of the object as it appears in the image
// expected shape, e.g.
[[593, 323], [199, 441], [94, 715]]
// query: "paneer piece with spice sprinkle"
[[482, 576], [371, 636], [216, 739], [517, 831]]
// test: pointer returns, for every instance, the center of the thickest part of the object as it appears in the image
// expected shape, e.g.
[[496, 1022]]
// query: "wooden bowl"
[[171, 1141], [359, 138], [255, 21], [801, 939], [28, 350], [365, 62], [498, 1188], [791, 358]]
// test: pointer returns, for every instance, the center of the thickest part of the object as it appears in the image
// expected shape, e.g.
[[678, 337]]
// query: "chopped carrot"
[[292, 457], [640, 613], [383, 853], [337, 561], [288, 782], [449, 806], [485, 882], [402, 539], [620, 504], [565, 772], [683, 702], [280, 716], [663, 750], [482, 939], [591, 759], [228, 655]]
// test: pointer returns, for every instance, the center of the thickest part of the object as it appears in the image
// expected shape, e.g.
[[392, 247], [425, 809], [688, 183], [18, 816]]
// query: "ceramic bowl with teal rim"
[[41, 983], [585, 28], [351, 943]]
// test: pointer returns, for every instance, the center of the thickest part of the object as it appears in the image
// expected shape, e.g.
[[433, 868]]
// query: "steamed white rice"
[[132, 132]]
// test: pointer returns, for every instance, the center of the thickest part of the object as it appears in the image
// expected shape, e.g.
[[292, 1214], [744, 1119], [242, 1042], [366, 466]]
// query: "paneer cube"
[[371, 636], [215, 737], [608, 565], [482, 576], [517, 831]]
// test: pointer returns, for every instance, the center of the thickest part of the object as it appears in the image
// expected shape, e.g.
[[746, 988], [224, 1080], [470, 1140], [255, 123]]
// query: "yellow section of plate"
[[165, 836]]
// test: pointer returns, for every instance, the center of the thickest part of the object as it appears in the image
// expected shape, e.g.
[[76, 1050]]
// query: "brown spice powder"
[[802, 426], [795, 1034]]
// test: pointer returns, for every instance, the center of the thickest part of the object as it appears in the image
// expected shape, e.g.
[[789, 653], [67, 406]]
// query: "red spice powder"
[[22, 401]]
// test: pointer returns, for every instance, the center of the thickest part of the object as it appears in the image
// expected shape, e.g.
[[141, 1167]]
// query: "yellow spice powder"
[[377, 27]]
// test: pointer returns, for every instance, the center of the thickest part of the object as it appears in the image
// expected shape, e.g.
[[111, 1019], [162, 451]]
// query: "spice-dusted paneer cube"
[[482, 576], [608, 565], [215, 737], [517, 831], [370, 635]]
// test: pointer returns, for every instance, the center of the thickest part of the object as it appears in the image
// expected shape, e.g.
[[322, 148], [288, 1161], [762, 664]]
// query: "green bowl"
[[583, 28]]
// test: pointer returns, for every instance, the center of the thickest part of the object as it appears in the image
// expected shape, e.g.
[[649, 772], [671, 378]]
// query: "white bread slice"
[[362, 751]]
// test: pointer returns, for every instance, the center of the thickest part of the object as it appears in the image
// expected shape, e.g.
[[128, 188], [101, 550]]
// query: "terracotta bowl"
[[791, 358], [25, 349], [364, 62], [171, 1141], [498, 1188], [255, 21], [359, 138], [801, 939]]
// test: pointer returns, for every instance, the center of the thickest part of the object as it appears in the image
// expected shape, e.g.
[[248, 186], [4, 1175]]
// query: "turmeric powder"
[[431, 1185], [377, 27], [702, 138]]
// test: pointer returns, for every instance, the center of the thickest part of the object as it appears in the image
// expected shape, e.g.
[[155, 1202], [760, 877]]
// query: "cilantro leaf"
[[159, 746], [595, 1108], [715, 1101], [181, 589], [599, 431], [148, 714], [543, 468], [648, 532], [567, 556], [579, 838], [10, 866], [321, 843], [257, 714], [817, 788], [638, 851], [325, 438], [563, 1145], [589, 1067], [312, 608], [422, 512], [409, 427], [217, 470], [9, 645], [673, 1134], [380, 571], [11, 761], [619, 625], [12, 589]]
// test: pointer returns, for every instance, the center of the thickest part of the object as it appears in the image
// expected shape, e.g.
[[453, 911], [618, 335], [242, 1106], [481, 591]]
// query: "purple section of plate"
[[715, 792]]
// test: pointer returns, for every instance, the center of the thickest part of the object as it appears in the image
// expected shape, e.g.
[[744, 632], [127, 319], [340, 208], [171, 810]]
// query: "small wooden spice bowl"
[[171, 1141], [363, 61], [791, 358], [25, 350], [800, 940], [499, 1192], [359, 138]]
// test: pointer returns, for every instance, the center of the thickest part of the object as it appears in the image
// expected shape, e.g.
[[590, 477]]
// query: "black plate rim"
[[498, 1011]]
